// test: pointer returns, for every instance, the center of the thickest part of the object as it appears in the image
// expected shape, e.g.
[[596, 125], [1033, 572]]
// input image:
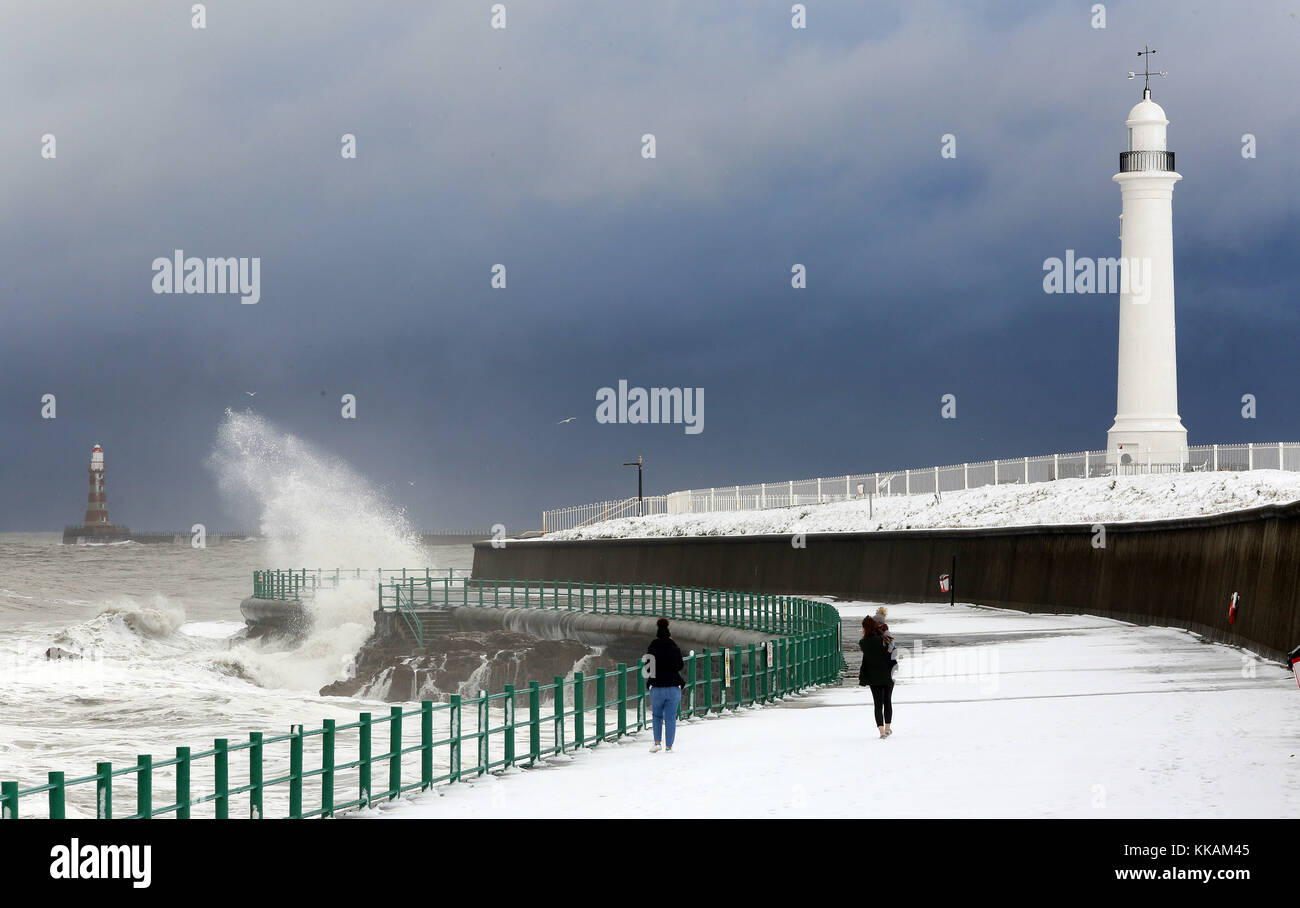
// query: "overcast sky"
[[523, 146]]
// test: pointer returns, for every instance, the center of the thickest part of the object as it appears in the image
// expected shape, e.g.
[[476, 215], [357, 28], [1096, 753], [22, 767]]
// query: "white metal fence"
[[928, 480]]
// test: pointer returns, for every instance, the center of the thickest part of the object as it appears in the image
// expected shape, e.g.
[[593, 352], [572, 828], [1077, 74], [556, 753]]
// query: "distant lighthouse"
[[1147, 425], [97, 503]]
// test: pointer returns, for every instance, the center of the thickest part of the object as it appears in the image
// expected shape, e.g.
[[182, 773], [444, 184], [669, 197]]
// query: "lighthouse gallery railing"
[[1137, 161]]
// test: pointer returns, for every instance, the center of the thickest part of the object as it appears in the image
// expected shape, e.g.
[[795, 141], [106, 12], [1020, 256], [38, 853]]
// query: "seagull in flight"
[[251, 393], [563, 421]]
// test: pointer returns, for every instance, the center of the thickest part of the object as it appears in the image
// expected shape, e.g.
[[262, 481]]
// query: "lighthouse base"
[[1135, 441]]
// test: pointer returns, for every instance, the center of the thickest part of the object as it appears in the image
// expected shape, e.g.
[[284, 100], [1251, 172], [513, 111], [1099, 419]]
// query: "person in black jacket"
[[663, 670], [876, 672]]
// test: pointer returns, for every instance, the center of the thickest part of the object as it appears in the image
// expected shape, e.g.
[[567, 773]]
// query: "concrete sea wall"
[[585, 627], [1172, 573]]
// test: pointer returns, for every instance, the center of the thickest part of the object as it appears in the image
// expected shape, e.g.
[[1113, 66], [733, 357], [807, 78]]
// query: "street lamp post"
[[638, 463]]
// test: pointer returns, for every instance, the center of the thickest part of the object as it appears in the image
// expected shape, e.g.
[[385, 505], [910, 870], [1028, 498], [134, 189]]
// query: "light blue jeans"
[[664, 703]]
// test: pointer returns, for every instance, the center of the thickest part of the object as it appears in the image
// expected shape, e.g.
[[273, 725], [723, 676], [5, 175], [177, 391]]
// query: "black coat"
[[668, 663], [877, 666]]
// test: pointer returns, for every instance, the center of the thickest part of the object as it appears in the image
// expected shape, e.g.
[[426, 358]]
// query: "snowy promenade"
[[996, 714]]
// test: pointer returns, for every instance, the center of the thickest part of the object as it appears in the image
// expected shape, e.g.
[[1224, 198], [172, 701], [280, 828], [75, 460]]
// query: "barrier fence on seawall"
[[319, 772], [933, 480], [300, 583]]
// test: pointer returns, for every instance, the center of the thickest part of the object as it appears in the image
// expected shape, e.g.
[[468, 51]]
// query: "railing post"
[[708, 683], [363, 759], [426, 745], [453, 754], [221, 777], [484, 730], [144, 786], [690, 684], [327, 767], [182, 783], [295, 773], [394, 752], [255, 775], [622, 699], [510, 725], [769, 671], [8, 800], [103, 792], [1216, 458], [57, 797], [579, 733], [534, 722], [640, 698], [753, 674], [600, 705], [557, 705], [736, 673]]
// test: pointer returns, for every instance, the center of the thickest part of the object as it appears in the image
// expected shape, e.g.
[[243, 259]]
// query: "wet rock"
[[58, 652], [464, 663]]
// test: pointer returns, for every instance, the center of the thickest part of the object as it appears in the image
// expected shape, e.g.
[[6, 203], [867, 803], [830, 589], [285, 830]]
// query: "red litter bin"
[[1293, 659], [945, 584]]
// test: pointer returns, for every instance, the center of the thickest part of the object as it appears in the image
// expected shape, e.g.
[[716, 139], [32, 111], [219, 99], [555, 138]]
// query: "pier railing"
[[343, 766], [299, 583]]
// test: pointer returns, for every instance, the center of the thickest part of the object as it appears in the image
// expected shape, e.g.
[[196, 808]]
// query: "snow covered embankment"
[[1108, 500]]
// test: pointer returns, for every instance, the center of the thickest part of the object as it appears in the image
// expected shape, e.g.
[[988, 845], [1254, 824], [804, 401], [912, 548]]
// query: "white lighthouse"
[[1147, 425]]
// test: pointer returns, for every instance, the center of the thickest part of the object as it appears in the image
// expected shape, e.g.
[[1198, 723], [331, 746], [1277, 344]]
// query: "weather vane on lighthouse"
[[1147, 73]]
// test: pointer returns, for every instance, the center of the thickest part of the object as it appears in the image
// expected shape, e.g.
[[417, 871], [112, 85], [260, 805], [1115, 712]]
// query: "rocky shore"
[[463, 662]]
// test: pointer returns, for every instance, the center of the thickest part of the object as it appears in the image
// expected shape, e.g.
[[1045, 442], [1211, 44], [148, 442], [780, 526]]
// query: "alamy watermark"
[[1107, 275], [683, 406], [179, 274]]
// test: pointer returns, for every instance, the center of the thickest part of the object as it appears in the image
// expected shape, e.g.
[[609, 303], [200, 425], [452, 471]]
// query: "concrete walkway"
[[997, 714]]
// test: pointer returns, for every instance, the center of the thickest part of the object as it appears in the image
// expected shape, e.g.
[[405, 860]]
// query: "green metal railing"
[[751, 611], [302, 583], [436, 743], [403, 604]]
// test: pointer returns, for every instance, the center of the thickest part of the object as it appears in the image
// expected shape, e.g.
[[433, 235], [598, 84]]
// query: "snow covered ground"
[[997, 714], [1098, 500]]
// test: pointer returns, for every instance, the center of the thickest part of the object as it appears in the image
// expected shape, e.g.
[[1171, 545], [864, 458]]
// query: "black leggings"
[[882, 693]]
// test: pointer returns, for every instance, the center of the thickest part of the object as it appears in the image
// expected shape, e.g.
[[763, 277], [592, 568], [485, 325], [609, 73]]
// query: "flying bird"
[[251, 393], [563, 421]]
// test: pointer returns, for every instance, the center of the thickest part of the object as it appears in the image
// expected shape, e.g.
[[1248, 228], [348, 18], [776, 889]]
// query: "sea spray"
[[342, 620], [314, 509]]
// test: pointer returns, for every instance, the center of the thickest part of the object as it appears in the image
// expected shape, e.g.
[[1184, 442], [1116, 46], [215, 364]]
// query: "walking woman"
[[663, 667], [877, 672]]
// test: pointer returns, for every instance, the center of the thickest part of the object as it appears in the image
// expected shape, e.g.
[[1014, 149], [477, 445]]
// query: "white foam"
[[313, 508]]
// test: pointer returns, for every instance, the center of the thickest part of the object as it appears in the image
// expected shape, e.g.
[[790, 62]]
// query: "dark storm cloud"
[[522, 147]]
